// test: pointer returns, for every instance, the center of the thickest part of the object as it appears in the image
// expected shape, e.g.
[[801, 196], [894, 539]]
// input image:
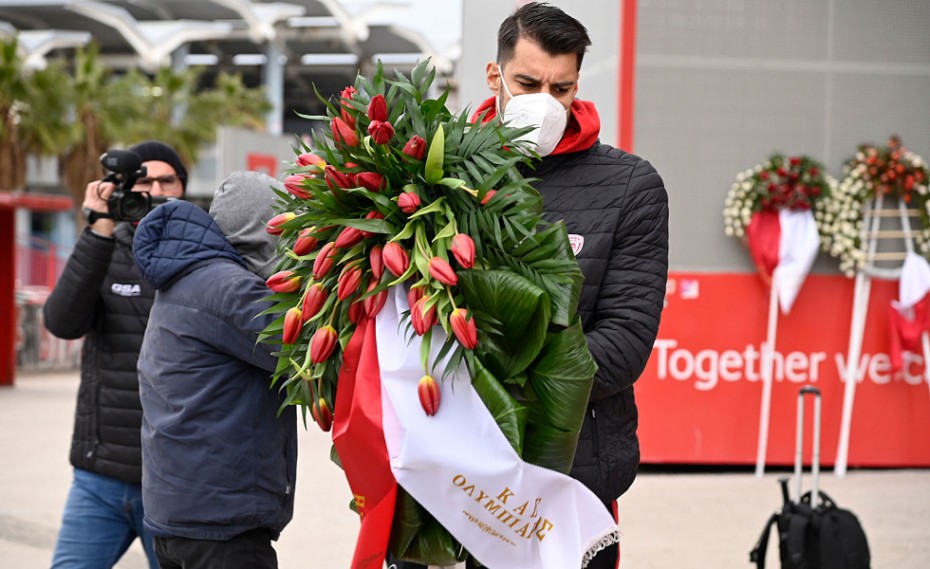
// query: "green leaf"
[[434, 157], [509, 415]]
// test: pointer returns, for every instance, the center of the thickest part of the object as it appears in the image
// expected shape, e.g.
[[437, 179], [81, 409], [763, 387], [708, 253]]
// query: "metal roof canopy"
[[323, 44]]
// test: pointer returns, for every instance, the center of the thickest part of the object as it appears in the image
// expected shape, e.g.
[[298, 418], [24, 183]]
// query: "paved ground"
[[669, 521]]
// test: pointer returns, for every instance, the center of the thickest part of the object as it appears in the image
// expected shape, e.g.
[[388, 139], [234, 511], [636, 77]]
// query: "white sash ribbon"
[[508, 513]]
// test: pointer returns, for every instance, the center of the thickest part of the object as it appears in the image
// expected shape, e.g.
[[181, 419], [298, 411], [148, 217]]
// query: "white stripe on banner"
[[797, 251], [508, 513]]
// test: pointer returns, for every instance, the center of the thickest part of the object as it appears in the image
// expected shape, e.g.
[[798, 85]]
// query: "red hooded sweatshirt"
[[584, 125]]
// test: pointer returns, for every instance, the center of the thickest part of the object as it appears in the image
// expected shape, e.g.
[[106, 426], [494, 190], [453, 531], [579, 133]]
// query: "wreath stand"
[[892, 239]]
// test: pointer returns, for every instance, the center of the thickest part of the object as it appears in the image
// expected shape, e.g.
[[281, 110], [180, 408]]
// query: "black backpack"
[[825, 537]]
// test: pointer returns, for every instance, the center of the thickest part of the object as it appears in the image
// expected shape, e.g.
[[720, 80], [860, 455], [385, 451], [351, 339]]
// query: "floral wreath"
[[399, 191], [796, 182], [890, 170]]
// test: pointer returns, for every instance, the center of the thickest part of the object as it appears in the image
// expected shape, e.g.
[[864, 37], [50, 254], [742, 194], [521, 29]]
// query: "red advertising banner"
[[700, 396]]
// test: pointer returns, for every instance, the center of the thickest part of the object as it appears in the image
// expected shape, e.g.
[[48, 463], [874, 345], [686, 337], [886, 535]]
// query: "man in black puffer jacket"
[[100, 296], [616, 209]]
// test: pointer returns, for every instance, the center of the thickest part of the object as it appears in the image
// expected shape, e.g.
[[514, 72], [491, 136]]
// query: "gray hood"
[[241, 207]]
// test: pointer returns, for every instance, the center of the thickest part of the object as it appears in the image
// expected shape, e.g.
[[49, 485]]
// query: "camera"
[[125, 168]]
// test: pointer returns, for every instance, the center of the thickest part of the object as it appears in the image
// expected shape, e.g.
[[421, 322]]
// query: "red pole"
[[51, 266], [627, 73], [8, 317]]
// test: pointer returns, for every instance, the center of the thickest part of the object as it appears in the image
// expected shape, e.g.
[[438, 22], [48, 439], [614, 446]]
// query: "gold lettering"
[[504, 495], [481, 496], [459, 480], [470, 490], [492, 507], [541, 533], [521, 509], [506, 514], [522, 532], [536, 508]]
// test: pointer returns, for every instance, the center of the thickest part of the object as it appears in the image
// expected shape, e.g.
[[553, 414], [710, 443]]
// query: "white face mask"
[[541, 110]]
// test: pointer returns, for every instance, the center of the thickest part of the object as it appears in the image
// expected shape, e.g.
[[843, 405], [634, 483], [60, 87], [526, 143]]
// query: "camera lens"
[[134, 205]]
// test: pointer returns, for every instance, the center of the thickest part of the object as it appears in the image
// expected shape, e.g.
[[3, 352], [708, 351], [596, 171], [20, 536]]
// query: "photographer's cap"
[[157, 150]]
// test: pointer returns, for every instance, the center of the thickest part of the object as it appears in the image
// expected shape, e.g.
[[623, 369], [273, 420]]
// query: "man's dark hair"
[[553, 30]]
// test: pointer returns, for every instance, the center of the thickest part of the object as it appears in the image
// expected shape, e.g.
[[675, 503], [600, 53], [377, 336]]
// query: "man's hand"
[[95, 199]]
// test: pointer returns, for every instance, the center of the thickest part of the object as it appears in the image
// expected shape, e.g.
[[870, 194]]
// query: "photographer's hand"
[[95, 199]]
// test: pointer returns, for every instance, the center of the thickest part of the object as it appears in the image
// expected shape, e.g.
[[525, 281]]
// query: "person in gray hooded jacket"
[[218, 461]]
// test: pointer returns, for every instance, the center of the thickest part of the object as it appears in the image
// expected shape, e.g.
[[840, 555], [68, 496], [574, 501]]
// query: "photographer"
[[101, 296]]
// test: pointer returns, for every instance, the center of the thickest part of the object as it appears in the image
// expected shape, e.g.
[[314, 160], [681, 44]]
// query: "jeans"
[[103, 516], [249, 550]]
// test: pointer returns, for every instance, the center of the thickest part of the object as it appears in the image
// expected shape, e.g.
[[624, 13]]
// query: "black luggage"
[[813, 533]]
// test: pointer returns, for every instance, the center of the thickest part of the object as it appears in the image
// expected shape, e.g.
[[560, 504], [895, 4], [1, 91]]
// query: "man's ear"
[[493, 77]]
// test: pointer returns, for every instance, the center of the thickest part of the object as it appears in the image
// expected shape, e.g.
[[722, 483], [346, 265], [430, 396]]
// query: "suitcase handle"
[[799, 444]]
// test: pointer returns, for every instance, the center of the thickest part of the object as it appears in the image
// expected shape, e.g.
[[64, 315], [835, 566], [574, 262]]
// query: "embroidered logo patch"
[[126, 289], [577, 242]]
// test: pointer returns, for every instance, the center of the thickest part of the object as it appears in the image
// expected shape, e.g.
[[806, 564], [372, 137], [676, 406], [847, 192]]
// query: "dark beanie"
[[157, 150]]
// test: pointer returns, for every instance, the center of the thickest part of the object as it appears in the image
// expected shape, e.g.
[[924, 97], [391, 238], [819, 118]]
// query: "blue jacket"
[[218, 460]]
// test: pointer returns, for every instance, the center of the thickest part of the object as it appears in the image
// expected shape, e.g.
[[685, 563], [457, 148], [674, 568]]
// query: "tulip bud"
[[292, 325], [274, 224], [284, 281], [414, 294], [487, 197], [306, 241], [336, 179], [313, 301], [343, 133], [371, 181], [408, 202], [310, 159], [376, 262], [381, 131], [324, 260], [377, 108], [464, 328], [430, 394], [415, 147], [356, 311], [323, 343], [421, 318], [440, 270], [395, 258], [294, 184], [374, 303], [463, 248], [347, 111], [374, 214], [349, 281], [322, 414], [348, 237]]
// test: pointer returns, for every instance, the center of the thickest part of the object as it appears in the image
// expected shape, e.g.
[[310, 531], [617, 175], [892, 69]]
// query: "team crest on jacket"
[[577, 242], [128, 289]]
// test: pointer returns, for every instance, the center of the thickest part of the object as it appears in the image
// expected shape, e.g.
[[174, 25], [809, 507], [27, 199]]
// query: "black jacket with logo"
[[616, 203], [101, 296]]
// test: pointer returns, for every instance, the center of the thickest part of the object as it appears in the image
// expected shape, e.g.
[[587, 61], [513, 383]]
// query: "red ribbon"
[[763, 236], [905, 334], [359, 441]]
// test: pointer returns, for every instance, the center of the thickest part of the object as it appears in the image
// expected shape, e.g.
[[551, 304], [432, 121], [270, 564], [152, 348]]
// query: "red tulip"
[[376, 262], [274, 224], [463, 248], [374, 303], [284, 281], [323, 343], [322, 414], [422, 319], [336, 179], [346, 111], [356, 311], [408, 202], [414, 294], [292, 325], [310, 159], [415, 147], [374, 214], [371, 181], [381, 131], [377, 108], [440, 270], [395, 258], [349, 281], [313, 301], [430, 394], [348, 237], [487, 197], [324, 260], [306, 241], [464, 328], [294, 184], [343, 133]]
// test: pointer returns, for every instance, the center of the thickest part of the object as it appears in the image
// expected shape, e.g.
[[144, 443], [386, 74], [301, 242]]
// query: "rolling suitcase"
[[813, 533]]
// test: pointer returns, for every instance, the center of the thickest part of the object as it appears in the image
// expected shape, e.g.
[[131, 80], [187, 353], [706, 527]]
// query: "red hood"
[[584, 125]]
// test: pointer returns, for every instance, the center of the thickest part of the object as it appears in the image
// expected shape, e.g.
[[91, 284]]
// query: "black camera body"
[[124, 204]]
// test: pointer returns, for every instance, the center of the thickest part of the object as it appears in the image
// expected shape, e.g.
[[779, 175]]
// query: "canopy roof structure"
[[289, 47]]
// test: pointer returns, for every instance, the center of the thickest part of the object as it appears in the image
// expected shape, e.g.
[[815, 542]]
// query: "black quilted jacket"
[[102, 297], [616, 203]]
